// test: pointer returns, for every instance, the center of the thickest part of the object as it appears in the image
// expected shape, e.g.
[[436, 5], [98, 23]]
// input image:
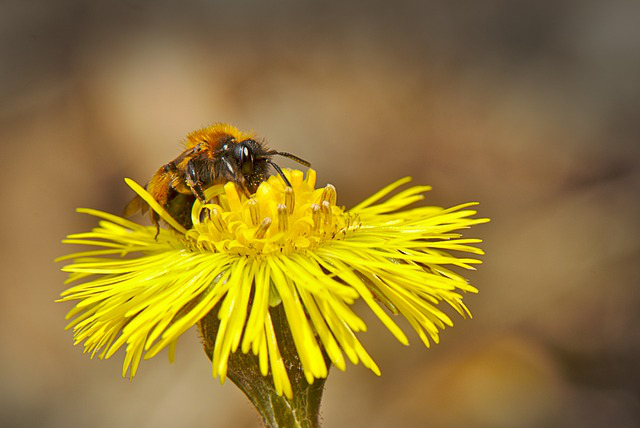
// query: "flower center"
[[276, 218]]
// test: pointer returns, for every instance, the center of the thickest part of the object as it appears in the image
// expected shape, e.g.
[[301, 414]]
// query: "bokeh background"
[[530, 108]]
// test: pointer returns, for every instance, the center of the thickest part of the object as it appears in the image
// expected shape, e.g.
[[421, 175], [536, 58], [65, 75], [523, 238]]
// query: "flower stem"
[[277, 411]]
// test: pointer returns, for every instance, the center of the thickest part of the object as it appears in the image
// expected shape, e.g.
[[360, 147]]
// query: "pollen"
[[276, 219]]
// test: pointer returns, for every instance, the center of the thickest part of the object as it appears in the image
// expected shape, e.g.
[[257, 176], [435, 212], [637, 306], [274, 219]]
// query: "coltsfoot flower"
[[293, 247]]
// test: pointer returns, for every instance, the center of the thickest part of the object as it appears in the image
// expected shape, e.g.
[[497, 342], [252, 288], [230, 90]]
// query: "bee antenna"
[[290, 156], [277, 168]]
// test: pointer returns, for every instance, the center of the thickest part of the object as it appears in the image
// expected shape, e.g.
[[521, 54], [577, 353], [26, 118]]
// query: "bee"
[[216, 154]]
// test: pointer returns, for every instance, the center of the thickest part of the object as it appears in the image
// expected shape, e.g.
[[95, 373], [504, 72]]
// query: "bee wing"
[[137, 204]]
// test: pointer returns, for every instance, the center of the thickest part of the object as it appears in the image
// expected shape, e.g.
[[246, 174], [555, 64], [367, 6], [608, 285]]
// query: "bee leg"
[[246, 191], [192, 181], [155, 220]]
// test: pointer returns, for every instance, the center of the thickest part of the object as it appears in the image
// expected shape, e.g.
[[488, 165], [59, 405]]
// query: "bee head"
[[245, 153], [252, 160]]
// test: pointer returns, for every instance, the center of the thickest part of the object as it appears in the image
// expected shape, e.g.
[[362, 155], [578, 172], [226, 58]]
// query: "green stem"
[[277, 411]]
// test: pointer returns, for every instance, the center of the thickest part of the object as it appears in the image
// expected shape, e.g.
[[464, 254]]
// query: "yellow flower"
[[282, 246]]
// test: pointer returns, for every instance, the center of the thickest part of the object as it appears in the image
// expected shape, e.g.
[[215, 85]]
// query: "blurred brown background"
[[530, 108]]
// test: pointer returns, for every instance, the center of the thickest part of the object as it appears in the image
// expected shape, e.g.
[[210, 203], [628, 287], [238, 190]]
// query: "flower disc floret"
[[276, 219]]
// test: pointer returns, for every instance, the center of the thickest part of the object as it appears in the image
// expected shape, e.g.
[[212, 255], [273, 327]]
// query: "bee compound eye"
[[244, 157]]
